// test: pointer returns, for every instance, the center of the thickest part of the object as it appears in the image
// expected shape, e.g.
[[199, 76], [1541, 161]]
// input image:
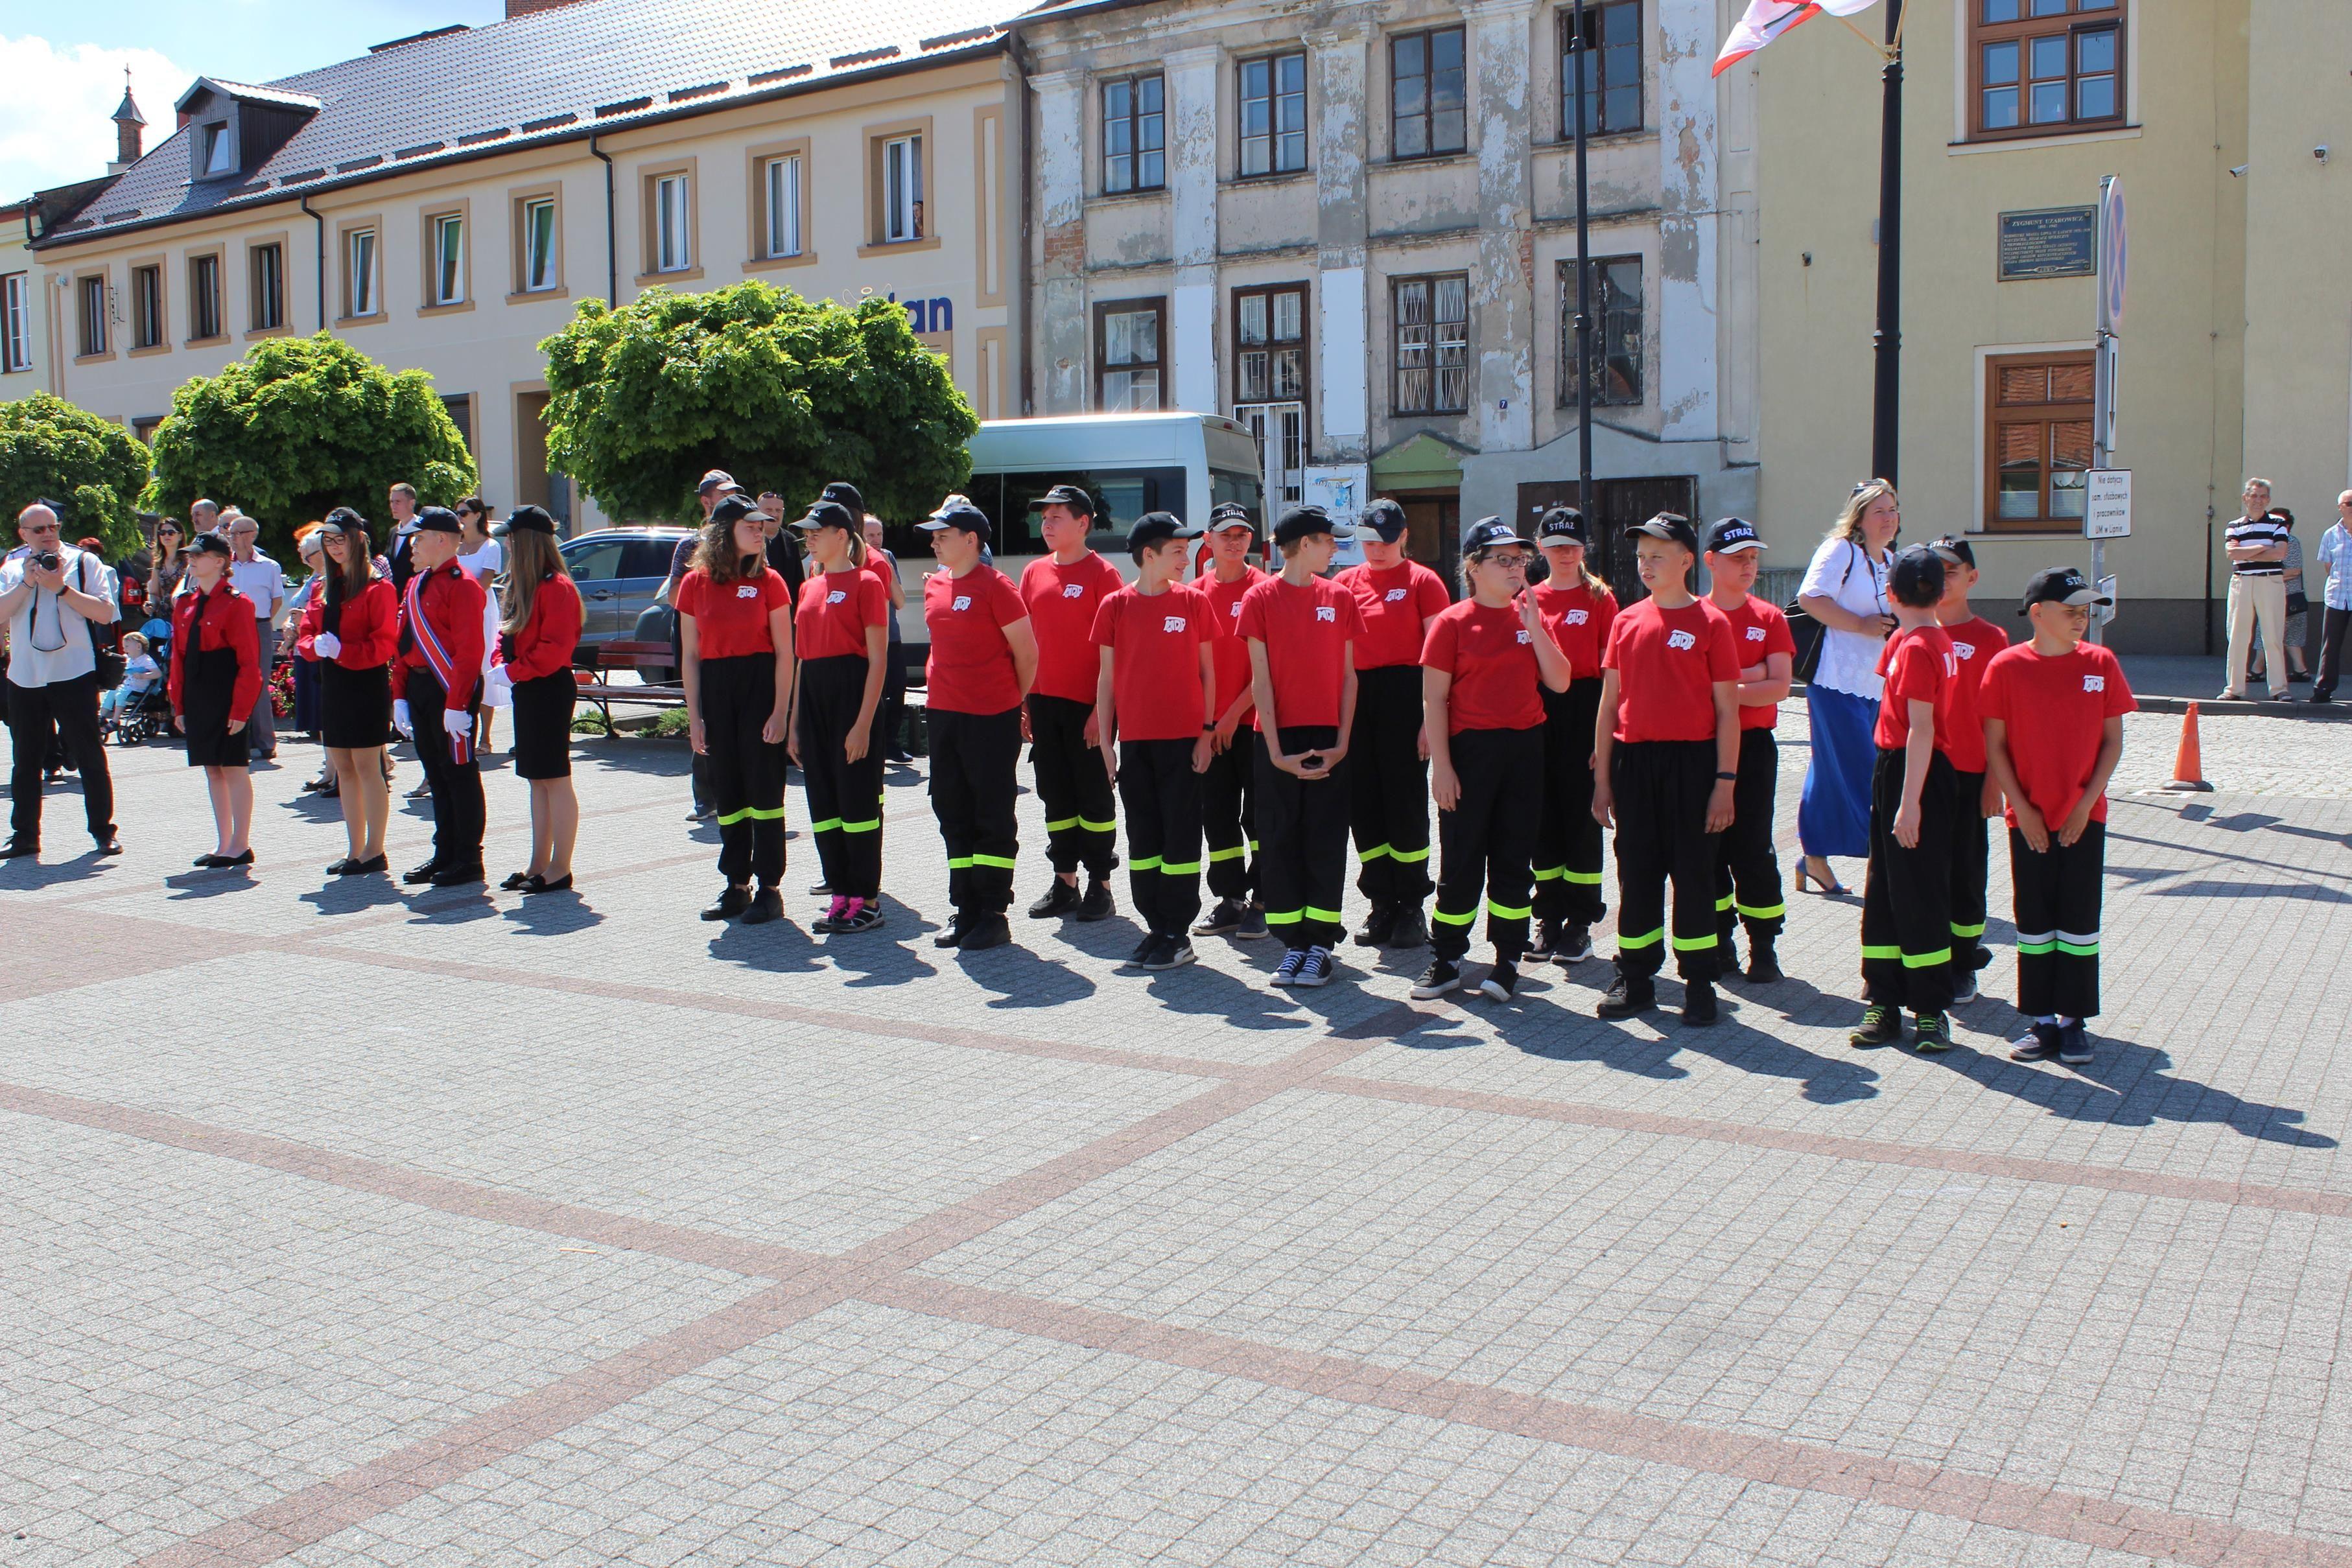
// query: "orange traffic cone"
[[2188, 764]]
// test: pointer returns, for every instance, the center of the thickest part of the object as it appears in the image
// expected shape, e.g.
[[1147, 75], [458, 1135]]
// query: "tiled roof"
[[247, 90], [597, 65]]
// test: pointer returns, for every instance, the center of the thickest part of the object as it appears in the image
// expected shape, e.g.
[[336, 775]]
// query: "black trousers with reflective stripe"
[[844, 798], [1747, 873], [1660, 789], [2058, 894], [1568, 841], [1081, 824], [1906, 895], [1302, 858], [1162, 795], [1971, 848], [975, 763], [1388, 785], [1487, 842], [746, 774], [1228, 815]]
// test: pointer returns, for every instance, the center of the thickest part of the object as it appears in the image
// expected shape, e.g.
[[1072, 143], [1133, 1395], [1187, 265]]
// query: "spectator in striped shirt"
[[2256, 545]]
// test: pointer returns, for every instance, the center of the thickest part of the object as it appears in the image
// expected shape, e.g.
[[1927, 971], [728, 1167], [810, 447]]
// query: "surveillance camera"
[[2239, 172]]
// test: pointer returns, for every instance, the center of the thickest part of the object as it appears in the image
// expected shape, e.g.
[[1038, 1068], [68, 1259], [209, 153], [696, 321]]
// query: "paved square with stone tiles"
[[347, 1225]]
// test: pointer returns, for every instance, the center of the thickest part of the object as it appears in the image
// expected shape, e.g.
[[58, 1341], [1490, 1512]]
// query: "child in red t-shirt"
[[1665, 750], [1747, 873], [2054, 726], [1062, 590], [842, 638], [736, 633], [1229, 788], [1578, 609], [1906, 895], [1975, 641], [1155, 697]]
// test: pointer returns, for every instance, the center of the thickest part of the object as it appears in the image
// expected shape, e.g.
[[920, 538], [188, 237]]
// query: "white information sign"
[[2107, 589], [2106, 513]]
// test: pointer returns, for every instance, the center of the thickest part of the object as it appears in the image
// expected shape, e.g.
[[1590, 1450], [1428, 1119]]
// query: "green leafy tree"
[[300, 426], [52, 451], [783, 393]]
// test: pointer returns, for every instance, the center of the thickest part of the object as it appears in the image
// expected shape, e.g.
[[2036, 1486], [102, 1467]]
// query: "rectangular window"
[[1130, 367], [784, 203], [203, 298], [1610, 55], [1617, 336], [146, 306], [91, 297], [1270, 344], [538, 245], [2037, 440], [268, 265], [673, 222], [1135, 133], [359, 272], [1427, 107], [461, 414], [902, 188], [448, 261], [1273, 115], [2045, 67], [220, 150], [15, 323], [1429, 319]]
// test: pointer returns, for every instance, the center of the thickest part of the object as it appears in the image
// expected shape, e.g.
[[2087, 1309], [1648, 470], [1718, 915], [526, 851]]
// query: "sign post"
[[2114, 255]]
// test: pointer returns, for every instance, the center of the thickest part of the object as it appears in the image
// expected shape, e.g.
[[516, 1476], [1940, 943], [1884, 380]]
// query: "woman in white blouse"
[[1845, 590], [482, 558]]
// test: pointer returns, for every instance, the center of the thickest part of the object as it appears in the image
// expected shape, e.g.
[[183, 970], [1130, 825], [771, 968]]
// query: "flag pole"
[[1887, 402], [1584, 289]]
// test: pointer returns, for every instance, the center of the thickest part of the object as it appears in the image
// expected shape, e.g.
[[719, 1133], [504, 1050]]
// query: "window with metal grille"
[[1135, 133], [2045, 67], [1273, 114], [1615, 290], [1428, 112], [1429, 319]]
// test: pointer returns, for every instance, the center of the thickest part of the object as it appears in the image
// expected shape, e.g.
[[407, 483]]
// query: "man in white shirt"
[[204, 516], [263, 581], [51, 595], [403, 502]]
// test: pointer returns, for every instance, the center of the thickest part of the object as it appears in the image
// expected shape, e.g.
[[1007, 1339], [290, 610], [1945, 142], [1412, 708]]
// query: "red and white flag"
[[1768, 19]]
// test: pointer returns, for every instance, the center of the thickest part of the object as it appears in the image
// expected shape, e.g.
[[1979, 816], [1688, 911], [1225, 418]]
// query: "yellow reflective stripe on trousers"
[[1065, 823], [1419, 855], [1098, 827], [999, 862], [1151, 864], [1693, 943], [1446, 917], [826, 826], [1173, 868], [1218, 856], [1331, 916], [959, 862], [1649, 939], [755, 813], [1290, 917], [874, 826], [1584, 878], [1775, 911], [1870, 953], [1723, 904], [1551, 873], [1926, 960], [1504, 912], [1960, 930], [1378, 852]]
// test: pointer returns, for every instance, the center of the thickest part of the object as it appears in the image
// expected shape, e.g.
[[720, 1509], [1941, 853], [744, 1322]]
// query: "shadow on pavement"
[[551, 914]]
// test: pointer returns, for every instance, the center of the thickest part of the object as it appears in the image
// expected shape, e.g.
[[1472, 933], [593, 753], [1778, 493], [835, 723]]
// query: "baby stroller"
[[139, 716]]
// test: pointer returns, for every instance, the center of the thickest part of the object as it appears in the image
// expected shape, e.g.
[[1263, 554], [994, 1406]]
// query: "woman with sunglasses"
[[351, 630], [170, 569]]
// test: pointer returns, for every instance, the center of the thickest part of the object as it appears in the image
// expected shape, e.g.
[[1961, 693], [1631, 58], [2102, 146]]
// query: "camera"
[[46, 560]]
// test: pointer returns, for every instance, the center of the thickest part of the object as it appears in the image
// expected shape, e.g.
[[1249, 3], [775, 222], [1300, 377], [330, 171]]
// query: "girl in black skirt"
[[215, 676], [537, 637], [735, 627], [844, 635], [351, 629]]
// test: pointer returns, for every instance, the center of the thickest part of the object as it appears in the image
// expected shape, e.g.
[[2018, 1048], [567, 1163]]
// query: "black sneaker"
[[1377, 926], [1060, 897], [1411, 928], [2040, 1043], [1964, 986], [1698, 1003], [1546, 943], [1763, 964], [1627, 996], [1575, 944], [985, 931], [767, 904], [951, 933], [732, 902], [1440, 976], [1098, 905], [1171, 953], [868, 916], [1252, 926], [1879, 1026], [1317, 970], [2075, 1043], [1144, 949], [1500, 982], [1225, 917], [1931, 1034]]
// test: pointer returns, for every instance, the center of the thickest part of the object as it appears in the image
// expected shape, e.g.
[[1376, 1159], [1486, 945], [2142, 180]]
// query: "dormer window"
[[220, 150]]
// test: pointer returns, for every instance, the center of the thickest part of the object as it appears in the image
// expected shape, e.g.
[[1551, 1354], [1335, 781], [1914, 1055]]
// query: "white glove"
[[399, 720], [498, 689], [457, 721], [327, 646]]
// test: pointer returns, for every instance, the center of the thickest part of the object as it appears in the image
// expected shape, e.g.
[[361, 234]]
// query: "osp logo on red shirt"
[[963, 602], [1325, 613], [837, 597], [1172, 623], [1681, 640]]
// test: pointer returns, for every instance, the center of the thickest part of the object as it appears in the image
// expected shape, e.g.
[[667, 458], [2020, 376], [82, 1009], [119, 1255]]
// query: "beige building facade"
[[875, 172], [1354, 231], [2223, 119]]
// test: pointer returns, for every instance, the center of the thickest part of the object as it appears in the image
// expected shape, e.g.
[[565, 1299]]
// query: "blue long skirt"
[[1833, 819]]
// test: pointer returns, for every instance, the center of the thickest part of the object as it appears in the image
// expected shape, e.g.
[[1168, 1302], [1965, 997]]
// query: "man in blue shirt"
[[2335, 561]]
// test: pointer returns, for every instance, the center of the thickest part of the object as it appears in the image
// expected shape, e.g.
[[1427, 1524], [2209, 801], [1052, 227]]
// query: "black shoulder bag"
[[1808, 632]]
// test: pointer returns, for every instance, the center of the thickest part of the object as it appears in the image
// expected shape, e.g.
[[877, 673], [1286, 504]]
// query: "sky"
[[64, 72]]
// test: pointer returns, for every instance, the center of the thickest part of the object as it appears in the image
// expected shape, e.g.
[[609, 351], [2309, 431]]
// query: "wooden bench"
[[625, 655]]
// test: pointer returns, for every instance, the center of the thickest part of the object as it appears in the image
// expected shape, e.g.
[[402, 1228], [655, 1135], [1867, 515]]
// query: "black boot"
[[1763, 963], [1378, 925], [1098, 905], [1411, 928], [1628, 995], [1060, 897]]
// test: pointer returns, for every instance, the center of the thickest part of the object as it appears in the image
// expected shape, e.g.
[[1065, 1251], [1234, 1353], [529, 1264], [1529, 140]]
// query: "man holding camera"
[[51, 594]]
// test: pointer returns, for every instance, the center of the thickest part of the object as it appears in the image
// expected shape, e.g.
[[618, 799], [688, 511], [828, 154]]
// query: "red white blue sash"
[[445, 669]]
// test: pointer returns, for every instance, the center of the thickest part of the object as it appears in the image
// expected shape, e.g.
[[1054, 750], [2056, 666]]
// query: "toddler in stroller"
[[137, 710]]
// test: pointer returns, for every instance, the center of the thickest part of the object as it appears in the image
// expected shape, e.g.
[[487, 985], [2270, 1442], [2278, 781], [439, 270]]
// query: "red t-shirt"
[[836, 607], [732, 619], [970, 665], [1974, 643], [1492, 659], [1231, 648], [1062, 602], [1306, 631], [1393, 604], [1758, 630], [1918, 666], [2056, 711], [1156, 641], [1579, 619], [1667, 662]]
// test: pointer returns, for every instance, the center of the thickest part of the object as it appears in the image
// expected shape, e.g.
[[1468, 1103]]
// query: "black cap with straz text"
[[1231, 514], [827, 514], [1954, 548], [1671, 526], [2061, 585], [1491, 533], [844, 493], [1729, 536], [1562, 525]]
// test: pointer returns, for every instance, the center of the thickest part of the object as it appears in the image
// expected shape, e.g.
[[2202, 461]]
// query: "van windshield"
[[1120, 496]]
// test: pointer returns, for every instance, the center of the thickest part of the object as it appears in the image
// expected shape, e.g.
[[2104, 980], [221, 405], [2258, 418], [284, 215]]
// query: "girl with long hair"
[[538, 636], [215, 678], [351, 630], [1578, 609], [735, 630], [843, 647]]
